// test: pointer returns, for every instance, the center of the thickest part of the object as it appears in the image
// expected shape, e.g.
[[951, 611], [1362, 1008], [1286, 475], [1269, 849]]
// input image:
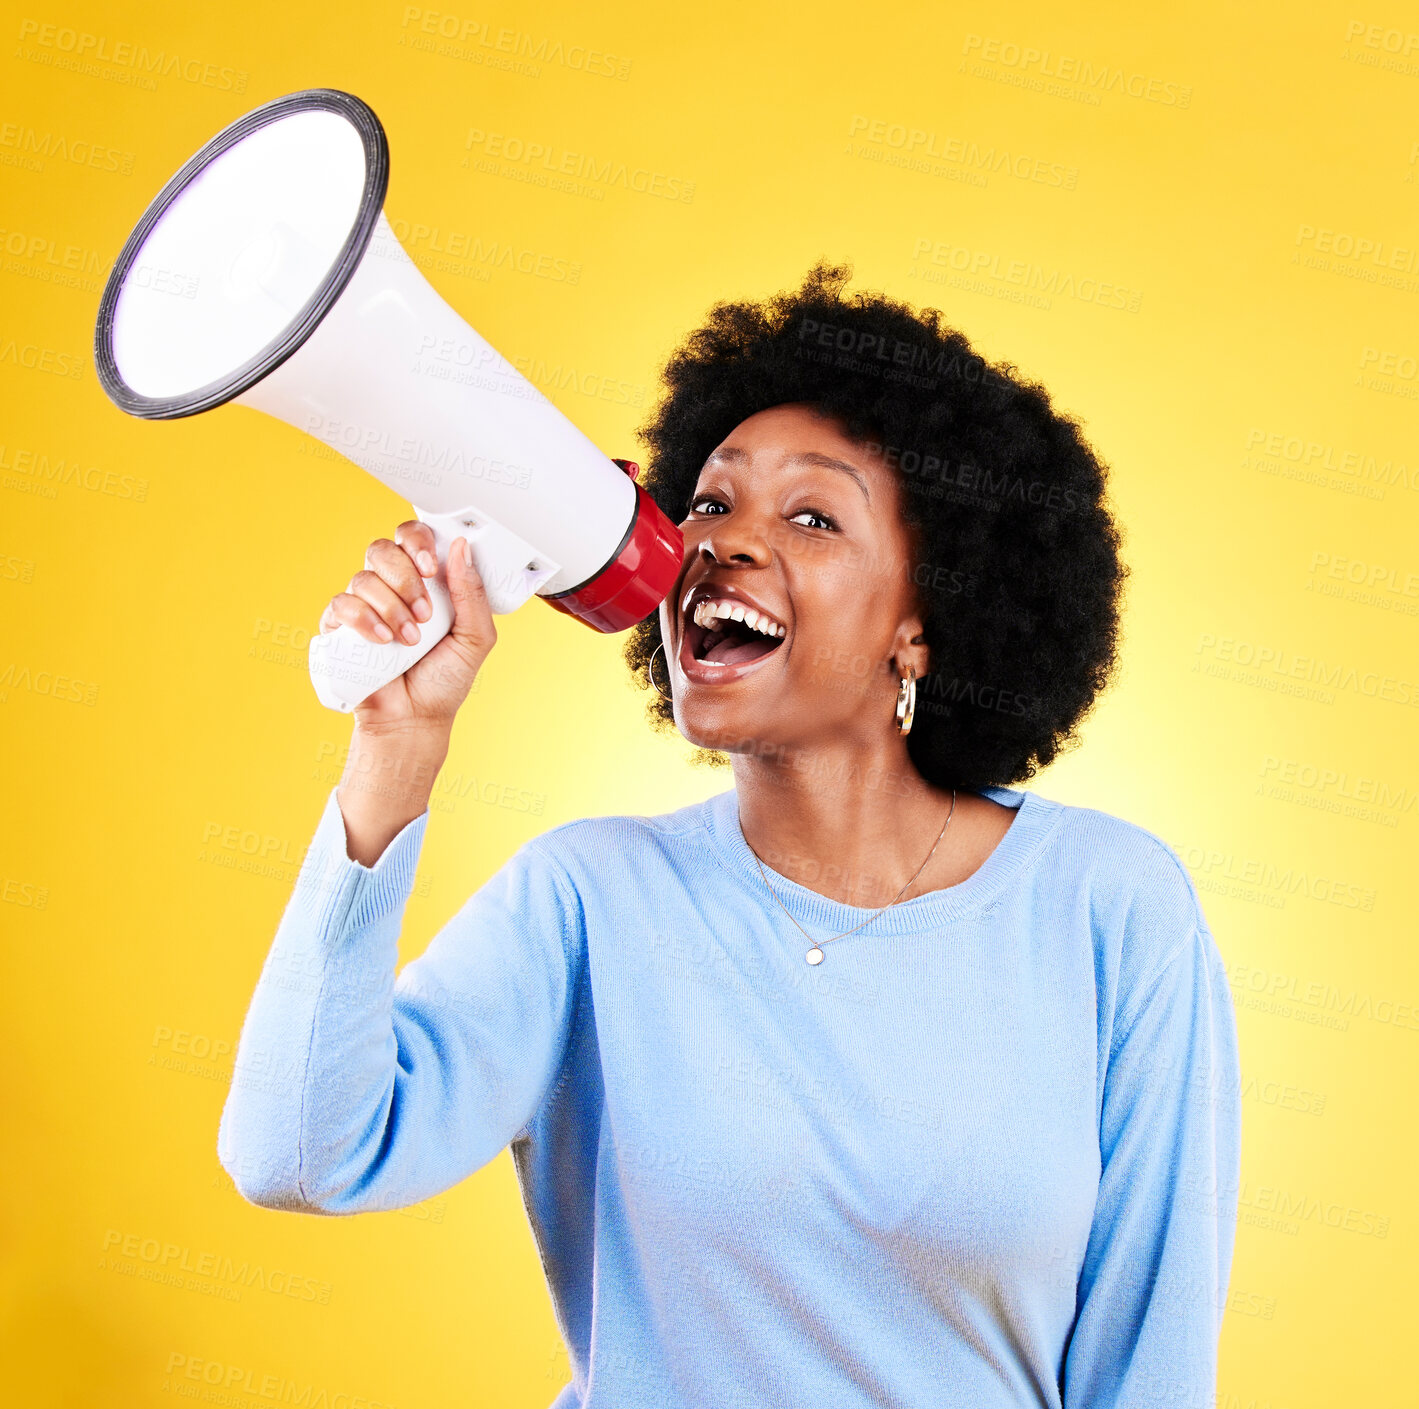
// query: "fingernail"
[[410, 632], [383, 632], [427, 565], [421, 608]]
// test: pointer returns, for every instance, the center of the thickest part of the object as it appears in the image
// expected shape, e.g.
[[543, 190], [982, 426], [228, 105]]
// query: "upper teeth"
[[712, 609]]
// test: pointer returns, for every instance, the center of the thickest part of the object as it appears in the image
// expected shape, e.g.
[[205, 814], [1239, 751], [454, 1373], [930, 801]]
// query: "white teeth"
[[710, 610]]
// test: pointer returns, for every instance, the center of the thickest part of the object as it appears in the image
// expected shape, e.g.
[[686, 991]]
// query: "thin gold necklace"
[[815, 954]]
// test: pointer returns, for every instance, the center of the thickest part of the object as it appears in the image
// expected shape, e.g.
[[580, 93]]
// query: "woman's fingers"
[[356, 610], [395, 567], [387, 599], [417, 539]]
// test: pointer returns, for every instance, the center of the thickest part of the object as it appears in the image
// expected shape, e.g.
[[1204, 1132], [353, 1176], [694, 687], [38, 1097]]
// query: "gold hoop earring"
[[906, 701], [650, 670]]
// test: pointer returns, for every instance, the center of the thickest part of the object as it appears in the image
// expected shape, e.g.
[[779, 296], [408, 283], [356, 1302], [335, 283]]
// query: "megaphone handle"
[[346, 669]]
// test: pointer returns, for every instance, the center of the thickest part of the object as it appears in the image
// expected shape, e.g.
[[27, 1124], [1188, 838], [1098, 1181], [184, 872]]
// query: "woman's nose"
[[736, 540]]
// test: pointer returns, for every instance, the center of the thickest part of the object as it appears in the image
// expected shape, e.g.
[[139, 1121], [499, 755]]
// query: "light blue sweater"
[[986, 1154]]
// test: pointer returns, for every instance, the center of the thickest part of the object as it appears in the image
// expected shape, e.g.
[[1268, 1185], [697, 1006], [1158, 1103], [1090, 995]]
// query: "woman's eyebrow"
[[827, 462], [733, 454]]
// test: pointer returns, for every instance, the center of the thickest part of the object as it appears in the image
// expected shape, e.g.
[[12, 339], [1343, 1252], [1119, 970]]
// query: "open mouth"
[[720, 632]]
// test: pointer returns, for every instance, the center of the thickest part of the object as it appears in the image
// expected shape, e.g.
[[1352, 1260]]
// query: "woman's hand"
[[387, 601]]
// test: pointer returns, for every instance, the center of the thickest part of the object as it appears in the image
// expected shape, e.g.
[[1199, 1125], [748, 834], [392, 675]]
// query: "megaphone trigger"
[[512, 569]]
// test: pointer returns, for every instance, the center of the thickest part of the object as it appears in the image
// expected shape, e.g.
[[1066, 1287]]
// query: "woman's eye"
[[697, 506]]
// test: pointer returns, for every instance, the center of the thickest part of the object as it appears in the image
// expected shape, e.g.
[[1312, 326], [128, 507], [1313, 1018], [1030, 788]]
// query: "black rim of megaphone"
[[360, 116]]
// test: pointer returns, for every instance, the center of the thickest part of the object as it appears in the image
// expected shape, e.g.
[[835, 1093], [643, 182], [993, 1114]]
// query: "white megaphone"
[[265, 273]]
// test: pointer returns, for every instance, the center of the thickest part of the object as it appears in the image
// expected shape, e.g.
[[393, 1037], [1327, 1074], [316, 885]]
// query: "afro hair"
[[1020, 580]]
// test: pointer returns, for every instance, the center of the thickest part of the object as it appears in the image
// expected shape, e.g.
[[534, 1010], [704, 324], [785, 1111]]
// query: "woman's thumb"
[[472, 613]]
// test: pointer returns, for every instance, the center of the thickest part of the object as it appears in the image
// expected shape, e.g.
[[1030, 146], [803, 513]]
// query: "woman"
[[872, 1080]]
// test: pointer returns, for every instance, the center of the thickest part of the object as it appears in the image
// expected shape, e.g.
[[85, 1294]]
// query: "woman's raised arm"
[[354, 1090]]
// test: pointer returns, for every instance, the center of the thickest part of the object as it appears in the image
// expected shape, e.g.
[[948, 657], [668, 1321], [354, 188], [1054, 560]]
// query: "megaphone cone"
[[266, 273]]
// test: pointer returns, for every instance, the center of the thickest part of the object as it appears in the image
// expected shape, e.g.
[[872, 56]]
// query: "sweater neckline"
[[1035, 819]]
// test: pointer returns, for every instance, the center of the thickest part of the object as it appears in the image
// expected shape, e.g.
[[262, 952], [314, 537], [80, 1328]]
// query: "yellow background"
[[158, 585]]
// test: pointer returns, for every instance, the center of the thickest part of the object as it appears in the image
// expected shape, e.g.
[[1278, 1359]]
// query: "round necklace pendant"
[[815, 955]]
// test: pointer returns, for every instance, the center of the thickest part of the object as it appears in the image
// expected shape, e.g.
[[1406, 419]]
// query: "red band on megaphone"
[[635, 582]]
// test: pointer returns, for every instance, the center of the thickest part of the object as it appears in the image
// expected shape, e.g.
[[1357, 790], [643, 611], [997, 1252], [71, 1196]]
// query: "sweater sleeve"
[[354, 1090], [1158, 1260]]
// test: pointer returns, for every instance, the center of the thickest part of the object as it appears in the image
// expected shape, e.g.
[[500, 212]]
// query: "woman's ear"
[[910, 649]]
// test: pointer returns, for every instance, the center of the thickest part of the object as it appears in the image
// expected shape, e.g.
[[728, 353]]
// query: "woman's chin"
[[726, 726]]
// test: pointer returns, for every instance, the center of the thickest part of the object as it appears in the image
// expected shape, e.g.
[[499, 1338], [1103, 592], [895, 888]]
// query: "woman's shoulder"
[[1113, 857], [1125, 856], [596, 849], [1142, 900]]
